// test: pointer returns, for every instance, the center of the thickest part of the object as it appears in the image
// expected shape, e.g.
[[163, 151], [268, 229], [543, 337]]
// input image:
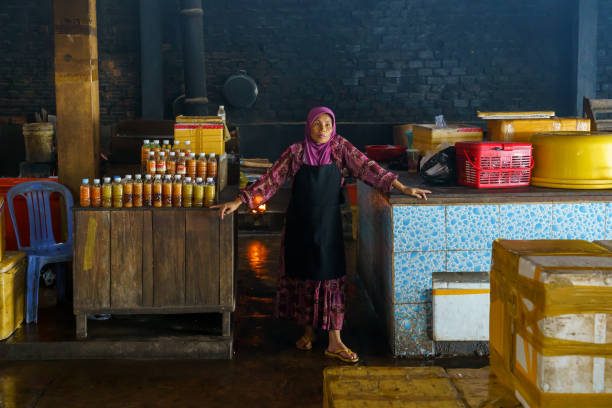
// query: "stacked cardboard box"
[[551, 322], [428, 136]]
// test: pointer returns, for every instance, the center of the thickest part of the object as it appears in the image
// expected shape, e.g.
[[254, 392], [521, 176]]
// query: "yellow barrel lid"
[[548, 138], [10, 259], [573, 160]]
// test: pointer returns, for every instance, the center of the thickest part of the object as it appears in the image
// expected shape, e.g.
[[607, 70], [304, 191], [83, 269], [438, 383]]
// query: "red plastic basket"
[[491, 164]]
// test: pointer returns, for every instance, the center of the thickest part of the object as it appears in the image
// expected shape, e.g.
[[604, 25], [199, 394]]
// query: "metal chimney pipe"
[[192, 24]]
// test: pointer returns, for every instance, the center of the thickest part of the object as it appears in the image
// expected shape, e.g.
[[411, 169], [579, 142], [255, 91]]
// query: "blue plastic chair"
[[43, 249]]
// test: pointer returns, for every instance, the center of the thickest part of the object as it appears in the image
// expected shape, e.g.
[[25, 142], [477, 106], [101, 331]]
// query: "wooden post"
[[76, 91]]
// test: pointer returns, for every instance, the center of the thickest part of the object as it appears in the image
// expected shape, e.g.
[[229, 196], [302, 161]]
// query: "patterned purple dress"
[[312, 302]]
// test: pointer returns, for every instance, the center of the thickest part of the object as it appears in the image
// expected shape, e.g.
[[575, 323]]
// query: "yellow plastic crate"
[[551, 302], [2, 227], [374, 387], [521, 130], [206, 133], [12, 292]]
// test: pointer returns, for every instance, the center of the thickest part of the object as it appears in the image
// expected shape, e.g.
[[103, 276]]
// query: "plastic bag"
[[439, 168]]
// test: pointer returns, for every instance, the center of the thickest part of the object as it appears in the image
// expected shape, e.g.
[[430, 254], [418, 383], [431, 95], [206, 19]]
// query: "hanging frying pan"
[[240, 90]]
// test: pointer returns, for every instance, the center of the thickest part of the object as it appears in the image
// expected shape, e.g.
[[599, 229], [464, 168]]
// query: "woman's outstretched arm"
[[264, 188]]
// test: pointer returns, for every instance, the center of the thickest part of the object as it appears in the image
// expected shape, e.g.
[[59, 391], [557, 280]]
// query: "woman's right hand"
[[228, 208]]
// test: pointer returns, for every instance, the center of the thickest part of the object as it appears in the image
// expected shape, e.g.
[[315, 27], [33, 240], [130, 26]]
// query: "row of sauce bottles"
[[152, 192], [158, 159]]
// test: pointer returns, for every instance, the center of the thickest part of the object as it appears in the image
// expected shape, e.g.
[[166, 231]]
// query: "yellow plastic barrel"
[[575, 160]]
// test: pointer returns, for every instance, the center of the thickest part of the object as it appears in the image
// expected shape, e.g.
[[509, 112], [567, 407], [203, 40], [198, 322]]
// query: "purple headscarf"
[[318, 154]]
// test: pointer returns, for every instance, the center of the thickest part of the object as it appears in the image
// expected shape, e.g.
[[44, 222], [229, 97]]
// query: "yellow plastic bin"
[[2, 226], [12, 292], [576, 160]]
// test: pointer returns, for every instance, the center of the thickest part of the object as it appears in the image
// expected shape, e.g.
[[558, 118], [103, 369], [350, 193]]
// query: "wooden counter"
[[153, 261]]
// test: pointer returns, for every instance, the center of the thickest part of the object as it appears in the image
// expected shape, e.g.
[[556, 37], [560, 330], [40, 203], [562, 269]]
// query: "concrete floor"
[[267, 370]]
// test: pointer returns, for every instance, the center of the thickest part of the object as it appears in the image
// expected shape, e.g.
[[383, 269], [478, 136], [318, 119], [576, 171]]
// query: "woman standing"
[[312, 271]]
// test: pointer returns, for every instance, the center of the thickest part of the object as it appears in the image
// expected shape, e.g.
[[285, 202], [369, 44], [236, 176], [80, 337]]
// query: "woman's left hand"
[[416, 192], [411, 191]]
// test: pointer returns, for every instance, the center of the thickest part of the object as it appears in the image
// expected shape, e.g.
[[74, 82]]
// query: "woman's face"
[[321, 129]]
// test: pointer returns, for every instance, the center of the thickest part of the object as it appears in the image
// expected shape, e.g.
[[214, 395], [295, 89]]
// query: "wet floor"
[[267, 369]]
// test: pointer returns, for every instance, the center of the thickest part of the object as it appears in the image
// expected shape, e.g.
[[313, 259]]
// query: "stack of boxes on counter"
[[174, 177]]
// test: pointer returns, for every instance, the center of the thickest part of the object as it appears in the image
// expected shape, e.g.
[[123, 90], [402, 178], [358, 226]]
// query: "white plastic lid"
[[198, 179], [162, 154], [212, 155], [187, 142], [96, 181], [156, 141], [177, 177], [152, 154], [128, 176], [182, 154], [167, 176], [107, 179], [85, 181], [188, 179], [148, 176], [191, 154], [157, 176], [202, 154], [138, 177], [117, 178], [209, 179], [221, 107], [146, 141], [177, 142], [166, 142], [172, 154]]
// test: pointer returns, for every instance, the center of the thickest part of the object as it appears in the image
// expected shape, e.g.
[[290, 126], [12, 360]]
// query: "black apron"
[[314, 241]]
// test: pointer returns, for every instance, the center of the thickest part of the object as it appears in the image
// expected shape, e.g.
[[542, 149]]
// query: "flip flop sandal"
[[307, 343], [336, 354]]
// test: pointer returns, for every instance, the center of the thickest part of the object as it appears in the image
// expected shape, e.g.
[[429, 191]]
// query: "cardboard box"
[[402, 135], [521, 130], [428, 136], [550, 337]]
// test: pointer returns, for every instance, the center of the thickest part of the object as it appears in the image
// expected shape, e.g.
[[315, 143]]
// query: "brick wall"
[[119, 59], [393, 61], [26, 57]]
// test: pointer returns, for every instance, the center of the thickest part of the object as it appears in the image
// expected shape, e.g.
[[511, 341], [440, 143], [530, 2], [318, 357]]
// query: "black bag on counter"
[[441, 168]]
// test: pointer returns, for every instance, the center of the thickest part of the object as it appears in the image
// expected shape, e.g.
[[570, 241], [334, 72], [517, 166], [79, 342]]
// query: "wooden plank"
[[169, 258], [126, 258], [81, 326], [147, 259], [226, 267], [161, 310], [226, 324], [91, 259], [202, 257]]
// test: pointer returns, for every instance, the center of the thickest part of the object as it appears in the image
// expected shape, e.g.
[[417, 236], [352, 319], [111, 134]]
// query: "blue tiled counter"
[[402, 241]]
